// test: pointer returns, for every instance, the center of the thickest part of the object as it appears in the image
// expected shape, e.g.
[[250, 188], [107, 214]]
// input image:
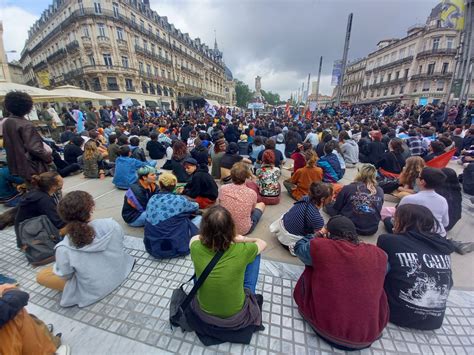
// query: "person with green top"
[[226, 302]]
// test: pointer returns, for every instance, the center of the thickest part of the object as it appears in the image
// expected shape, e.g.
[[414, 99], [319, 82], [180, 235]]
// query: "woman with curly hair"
[[90, 261], [180, 152], [411, 171]]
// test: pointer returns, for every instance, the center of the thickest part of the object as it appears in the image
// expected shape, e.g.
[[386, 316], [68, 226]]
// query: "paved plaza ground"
[[134, 318]]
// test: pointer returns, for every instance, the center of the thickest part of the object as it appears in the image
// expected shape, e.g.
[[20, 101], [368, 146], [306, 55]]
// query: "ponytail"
[[45, 181], [80, 233]]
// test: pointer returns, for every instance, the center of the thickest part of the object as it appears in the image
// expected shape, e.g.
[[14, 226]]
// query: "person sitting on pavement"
[[415, 143], [175, 164], [243, 145], [22, 333], [90, 261], [279, 157], [228, 160], [299, 160], [216, 154], [392, 161], [255, 148], [360, 201], [419, 275], [435, 150], [41, 200], [95, 165], [113, 148], [304, 217], [201, 154], [155, 149], [429, 180], [299, 183], [126, 169], [329, 163], [335, 264], [267, 186], [412, 169], [375, 149], [135, 149], [349, 149], [137, 196], [202, 188], [8, 185], [73, 150], [171, 221], [240, 200], [226, 307], [451, 191]]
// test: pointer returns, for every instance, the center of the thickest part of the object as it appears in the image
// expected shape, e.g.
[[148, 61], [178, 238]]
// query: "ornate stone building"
[[353, 81], [123, 49]]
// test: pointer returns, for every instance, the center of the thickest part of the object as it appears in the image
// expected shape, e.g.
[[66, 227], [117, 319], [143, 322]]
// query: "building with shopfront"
[[122, 49], [414, 69]]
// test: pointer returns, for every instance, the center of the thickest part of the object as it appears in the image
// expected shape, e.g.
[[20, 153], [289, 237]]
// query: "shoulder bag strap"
[[201, 280]]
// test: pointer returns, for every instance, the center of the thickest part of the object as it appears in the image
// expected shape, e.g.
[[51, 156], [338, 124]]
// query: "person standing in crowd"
[[419, 275], [334, 265], [137, 196], [240, 200], [91, 260], [26, 153], [360, 201]]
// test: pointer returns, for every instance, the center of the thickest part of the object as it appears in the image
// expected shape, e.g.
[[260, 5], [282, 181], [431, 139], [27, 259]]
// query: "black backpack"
[[468, 179], [39, 236]]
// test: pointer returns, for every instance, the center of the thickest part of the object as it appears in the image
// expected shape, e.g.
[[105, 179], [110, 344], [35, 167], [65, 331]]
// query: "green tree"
[[271, 98], [243, 93]]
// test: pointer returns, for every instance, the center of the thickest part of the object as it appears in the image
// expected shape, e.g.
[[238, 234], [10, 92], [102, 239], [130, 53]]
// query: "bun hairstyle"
[[75, 209], [45, 181]]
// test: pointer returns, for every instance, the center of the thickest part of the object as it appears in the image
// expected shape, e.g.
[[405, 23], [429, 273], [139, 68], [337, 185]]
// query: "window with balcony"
[[444, 68], [152, 88], [97, 7], [81, 7], [115, 7], [91, 59], [449, 42], [133, 18], [156, 71], [120, 33], [426, 86], [160, 51], [124, 62], [393, 56], [385, 92], [402, 89], [397, 75], [140, 67], [150, 29], [436, 41], [431, 68], [107, 60], [415, 88], [129, 85], [420, 69], [401, 53], [162, 73], [96, 84], [101, 28], [144, 88], [406, 73], [142, 24], [112, 84], [137, 41], [148, 69], [153, 49], [411, 50], [440, 85], [85, 30], [389, 76], [145, 45], [393, 91]]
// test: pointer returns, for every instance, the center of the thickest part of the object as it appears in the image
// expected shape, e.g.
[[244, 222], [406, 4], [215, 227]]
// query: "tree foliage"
[[243, 93], [271, 98]]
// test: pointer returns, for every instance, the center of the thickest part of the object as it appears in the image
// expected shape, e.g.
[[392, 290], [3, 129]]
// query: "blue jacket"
[[332, 171], [10, 304], [126, 171], [170, 238]]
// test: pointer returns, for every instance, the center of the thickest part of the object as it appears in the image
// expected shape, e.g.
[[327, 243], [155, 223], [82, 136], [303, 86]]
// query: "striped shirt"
[[303, 213]]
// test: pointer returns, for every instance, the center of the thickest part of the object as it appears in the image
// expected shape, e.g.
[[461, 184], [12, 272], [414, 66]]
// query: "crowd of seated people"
[[222, 174]]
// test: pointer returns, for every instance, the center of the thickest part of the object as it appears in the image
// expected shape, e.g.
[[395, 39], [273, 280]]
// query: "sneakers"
[[63, 350]]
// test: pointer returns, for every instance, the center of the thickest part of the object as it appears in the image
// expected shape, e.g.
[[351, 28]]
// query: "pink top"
[[239, 200]]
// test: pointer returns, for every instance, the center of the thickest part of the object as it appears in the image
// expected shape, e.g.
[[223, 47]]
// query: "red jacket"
[[342, 294]]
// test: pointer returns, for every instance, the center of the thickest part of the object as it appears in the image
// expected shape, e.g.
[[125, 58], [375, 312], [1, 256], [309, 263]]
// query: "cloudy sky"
[[280, 40]]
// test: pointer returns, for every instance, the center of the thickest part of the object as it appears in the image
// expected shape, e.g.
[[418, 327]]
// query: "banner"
[[452, 14], [336, 72], [313, 105], [255, 106], [43, 78]]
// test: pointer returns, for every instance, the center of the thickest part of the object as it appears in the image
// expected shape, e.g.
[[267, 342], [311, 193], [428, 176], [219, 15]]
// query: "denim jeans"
[[140, 221], [251, 274], [197, 221]]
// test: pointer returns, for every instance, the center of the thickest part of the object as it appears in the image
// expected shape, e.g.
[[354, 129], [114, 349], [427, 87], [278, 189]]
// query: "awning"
[[150, 103], [135, 102], [213, 103]]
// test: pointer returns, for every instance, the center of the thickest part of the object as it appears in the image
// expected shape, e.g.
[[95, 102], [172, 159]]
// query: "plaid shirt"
[[416, 146]]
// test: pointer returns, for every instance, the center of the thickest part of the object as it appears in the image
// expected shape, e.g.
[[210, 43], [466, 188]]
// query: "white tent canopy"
[[213, 103], [74, 93], [36, 93]]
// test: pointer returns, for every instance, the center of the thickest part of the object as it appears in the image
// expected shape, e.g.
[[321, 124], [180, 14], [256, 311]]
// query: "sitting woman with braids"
[[90, 261]]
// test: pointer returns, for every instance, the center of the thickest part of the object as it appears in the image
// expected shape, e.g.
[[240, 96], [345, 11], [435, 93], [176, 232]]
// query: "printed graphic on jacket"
[[364, 203], [429, 292]]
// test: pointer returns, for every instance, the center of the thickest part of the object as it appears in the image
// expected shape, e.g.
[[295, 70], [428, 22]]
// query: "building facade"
[[122, 49], [353, 81]]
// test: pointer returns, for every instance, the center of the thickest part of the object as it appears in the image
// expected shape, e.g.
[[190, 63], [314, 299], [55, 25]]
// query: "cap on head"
[[190, 161]]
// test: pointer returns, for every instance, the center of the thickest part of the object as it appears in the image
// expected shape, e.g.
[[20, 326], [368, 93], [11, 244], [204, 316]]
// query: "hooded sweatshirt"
[[350, 151], [95, 270], [419, 278]]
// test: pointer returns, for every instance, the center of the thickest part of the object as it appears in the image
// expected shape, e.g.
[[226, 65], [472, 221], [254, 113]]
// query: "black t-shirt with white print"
[[419, 278]]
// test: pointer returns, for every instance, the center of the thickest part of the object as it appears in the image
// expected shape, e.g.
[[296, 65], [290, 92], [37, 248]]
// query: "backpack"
[[39, 237], [468, 179]]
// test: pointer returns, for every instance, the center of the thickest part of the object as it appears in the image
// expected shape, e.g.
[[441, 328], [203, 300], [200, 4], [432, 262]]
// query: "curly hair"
[[319, 192], [217, 229], [268, 157], [180, 150], [367, 174], [18, 103], [75, 209], [412, 169], [90, 150]]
